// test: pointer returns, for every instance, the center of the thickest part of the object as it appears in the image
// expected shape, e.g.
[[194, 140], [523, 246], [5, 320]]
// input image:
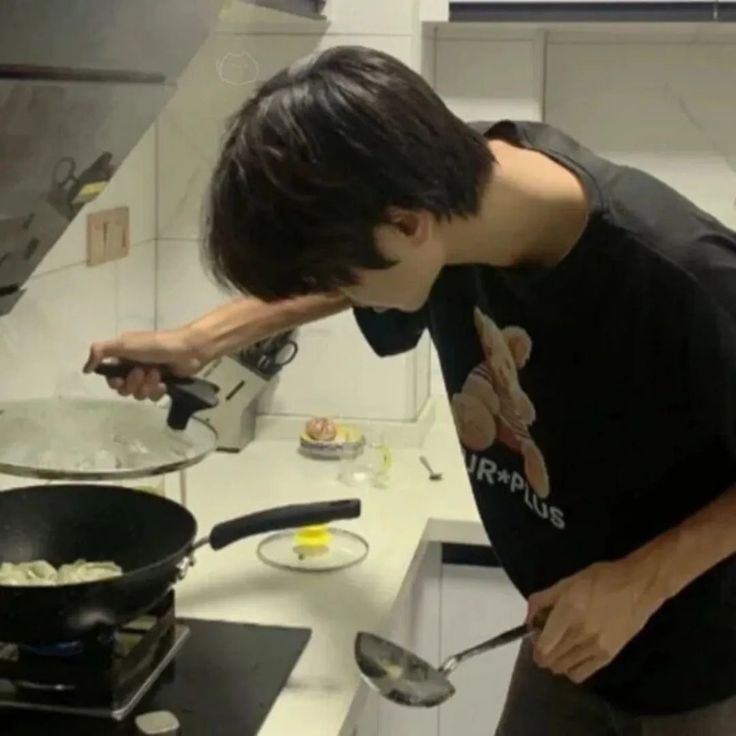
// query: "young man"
[[585, 318]]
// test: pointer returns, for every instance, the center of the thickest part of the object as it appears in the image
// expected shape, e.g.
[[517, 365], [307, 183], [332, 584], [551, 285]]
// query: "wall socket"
[[108, 235]]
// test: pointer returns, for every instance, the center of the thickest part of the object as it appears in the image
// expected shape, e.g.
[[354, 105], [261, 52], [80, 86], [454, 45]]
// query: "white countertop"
[[324, 692]]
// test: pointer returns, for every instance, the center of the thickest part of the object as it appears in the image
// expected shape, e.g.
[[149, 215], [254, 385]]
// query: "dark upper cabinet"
[[561, 11], [726, 11]]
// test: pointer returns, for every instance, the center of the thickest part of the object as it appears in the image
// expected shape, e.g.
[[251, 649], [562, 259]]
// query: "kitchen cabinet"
[[416, 625], [459, 598], [368, 722], [477, 602], [556, 11]]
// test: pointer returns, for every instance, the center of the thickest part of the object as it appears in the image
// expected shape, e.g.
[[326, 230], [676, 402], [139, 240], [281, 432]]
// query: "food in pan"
[[41, 573]]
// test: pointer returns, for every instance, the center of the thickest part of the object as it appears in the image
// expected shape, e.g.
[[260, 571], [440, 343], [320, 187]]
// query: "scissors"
[[271, 355], [277, 356]]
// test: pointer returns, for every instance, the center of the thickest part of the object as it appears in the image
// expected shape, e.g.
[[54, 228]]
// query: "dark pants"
[[542, 704]]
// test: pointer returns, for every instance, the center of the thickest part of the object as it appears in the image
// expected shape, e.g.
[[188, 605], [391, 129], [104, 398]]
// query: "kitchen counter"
[[324, 695]]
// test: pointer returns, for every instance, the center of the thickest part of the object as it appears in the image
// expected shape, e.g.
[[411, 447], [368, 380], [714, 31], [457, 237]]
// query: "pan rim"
[[105, 488]]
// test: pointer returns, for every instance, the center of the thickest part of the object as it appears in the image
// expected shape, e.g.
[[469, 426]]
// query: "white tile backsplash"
[[44, 341], [337, 374], [667, 108], [185, 292]]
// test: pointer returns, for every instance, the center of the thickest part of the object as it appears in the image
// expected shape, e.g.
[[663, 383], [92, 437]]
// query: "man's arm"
[[186, 350], [676, 558], [248, 320], [596, 612]]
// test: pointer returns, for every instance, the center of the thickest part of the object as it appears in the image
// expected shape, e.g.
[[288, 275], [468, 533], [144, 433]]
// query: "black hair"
[[312, 163]]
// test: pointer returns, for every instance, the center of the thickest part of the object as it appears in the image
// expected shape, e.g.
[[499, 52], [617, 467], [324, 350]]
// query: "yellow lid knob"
[[317, 535]]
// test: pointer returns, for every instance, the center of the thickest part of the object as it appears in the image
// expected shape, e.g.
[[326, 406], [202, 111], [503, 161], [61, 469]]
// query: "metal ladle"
[[406, 679]]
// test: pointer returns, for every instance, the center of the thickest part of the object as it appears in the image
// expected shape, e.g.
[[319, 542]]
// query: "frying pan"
[[151, 538]]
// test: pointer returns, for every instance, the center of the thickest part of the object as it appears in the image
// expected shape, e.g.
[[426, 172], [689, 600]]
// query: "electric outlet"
[[108, 235]]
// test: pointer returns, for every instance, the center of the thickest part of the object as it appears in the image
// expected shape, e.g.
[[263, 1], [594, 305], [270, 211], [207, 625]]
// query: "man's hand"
[[592, 615], [172, 350]]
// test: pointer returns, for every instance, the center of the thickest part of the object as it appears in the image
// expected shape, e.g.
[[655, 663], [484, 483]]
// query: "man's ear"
[[414, 224]]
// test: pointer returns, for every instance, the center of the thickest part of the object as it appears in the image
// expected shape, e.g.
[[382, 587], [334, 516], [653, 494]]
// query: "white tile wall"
[[45, 339], [667, 108], [184, 290], [336, 373]]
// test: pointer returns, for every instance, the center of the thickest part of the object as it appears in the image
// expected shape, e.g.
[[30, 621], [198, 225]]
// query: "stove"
[[214, 677]]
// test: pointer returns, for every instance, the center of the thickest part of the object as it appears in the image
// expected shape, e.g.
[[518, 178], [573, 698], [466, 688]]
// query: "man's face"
[[410, 240]]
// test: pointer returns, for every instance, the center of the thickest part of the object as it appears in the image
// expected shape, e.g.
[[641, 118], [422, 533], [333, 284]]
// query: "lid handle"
[[188, 395]]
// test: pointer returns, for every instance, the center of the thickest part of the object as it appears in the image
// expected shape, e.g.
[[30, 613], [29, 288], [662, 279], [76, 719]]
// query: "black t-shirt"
[[595, 403]]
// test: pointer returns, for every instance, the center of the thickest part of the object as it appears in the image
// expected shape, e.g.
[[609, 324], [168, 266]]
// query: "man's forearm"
[[248, 320], [679, 556]]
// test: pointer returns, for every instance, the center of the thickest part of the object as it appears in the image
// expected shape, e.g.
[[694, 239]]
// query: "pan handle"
[[284, 517]]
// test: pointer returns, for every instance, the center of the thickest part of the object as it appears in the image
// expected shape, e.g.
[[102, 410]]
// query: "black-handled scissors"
[[276, 357]]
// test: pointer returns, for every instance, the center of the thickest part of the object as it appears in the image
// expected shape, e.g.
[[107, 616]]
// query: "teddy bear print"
[[492, 406]]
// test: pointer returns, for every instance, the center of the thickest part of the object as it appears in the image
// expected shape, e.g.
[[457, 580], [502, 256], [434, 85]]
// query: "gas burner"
[[105, 676]]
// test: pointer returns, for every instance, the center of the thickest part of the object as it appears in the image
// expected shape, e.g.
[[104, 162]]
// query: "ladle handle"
[[500, 640], [507, 637]]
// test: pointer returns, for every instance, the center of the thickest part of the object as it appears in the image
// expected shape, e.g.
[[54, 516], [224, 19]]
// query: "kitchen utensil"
[[269, 356], [151, 538], [93, 440], [234, 418], [188, 395], [403, 677], [317, 548], [432, 474], [371, 466]]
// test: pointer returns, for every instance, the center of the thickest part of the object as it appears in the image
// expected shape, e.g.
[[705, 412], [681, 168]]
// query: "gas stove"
[[202, 672]]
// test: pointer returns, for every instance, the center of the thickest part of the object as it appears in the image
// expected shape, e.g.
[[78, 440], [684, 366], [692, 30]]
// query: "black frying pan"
[[151, 538]]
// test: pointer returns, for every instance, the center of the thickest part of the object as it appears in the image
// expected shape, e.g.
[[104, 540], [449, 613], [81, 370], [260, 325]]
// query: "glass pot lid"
[[317, 548], [88, 439]]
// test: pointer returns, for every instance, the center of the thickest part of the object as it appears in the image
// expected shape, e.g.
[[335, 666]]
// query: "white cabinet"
[[368, 722], [416, 625], [449, 608], [477, 603]]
